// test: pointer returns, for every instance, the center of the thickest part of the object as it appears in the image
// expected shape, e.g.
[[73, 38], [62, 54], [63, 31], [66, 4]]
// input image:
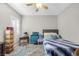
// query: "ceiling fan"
[[38, 6]]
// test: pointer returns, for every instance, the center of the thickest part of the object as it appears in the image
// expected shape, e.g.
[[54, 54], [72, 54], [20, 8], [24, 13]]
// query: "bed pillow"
[[48, 34], [55, 37], [51, 37], [47, 37]]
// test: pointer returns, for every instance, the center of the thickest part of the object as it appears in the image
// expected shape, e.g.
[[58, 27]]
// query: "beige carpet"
[[29, 50], [38, 51]]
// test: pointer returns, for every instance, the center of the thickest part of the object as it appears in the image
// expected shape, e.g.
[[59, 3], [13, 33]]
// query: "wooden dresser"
[[9, 40]]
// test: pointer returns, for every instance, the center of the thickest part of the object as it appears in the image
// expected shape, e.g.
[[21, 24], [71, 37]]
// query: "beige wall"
[[68, 23], [5, 18], [38, 23]]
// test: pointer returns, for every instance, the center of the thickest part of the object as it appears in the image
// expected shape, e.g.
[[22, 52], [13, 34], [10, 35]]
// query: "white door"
[[16, 26]]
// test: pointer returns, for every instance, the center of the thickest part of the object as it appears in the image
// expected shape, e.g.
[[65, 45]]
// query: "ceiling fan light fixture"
[[38, 5]]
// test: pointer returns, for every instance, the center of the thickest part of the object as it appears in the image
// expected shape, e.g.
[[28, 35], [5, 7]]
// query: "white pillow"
[[45, 34], [50, 33]]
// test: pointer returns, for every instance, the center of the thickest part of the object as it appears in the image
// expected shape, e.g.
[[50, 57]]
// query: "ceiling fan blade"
[[30, 4], [45, 7]]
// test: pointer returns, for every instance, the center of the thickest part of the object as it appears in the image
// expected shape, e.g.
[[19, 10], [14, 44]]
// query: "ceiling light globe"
[[38, 5]]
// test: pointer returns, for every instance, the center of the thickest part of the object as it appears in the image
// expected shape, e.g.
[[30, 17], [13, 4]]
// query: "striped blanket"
[[59, 47]]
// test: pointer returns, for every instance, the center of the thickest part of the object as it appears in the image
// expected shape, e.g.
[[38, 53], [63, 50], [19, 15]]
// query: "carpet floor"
[[29, 50]]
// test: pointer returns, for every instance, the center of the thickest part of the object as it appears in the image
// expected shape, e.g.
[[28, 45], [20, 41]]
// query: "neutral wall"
[[68, 23], [38, 23], [5, 18]]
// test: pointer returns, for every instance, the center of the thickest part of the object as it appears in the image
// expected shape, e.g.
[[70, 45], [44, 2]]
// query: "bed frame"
[[50, 31]]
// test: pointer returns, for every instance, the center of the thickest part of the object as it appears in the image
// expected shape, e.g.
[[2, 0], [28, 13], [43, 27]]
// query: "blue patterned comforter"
[[59, 47]]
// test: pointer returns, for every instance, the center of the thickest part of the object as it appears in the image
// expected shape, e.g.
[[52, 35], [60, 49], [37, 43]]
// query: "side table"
[[24, 40]]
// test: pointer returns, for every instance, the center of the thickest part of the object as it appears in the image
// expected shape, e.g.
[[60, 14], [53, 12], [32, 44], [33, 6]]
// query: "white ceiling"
[[53, 9]]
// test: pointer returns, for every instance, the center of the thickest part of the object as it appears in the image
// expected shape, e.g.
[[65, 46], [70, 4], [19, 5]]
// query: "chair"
[[34, 38]]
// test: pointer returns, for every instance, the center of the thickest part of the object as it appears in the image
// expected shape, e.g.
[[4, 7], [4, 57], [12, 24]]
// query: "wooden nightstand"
[[24, 40]]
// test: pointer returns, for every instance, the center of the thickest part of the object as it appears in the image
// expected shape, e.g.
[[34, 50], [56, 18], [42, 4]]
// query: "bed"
[[58, 47]]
